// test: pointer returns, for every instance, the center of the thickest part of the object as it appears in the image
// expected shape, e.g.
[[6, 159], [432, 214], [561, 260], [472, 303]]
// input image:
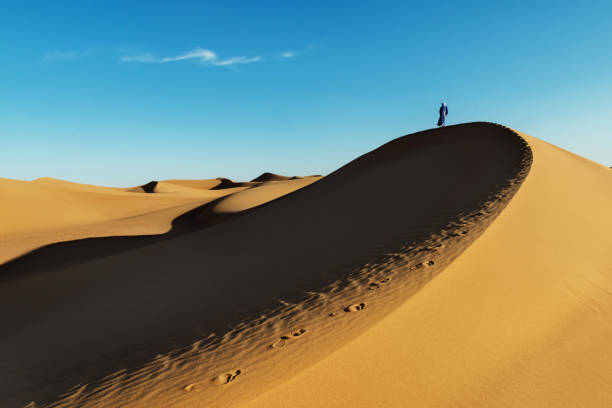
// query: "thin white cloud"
[[56, 55], [288, 54], [199, 54], [238, 60]]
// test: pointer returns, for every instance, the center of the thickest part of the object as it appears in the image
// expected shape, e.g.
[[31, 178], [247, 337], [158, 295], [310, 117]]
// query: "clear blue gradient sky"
[[120, 93]]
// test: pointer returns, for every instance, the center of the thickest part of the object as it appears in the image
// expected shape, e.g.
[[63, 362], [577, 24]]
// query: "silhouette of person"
[[443, 113]]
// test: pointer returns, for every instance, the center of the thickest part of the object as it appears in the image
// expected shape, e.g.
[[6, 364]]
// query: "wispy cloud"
[[288, 54], [56, 55], [199, 54], [237, 60]]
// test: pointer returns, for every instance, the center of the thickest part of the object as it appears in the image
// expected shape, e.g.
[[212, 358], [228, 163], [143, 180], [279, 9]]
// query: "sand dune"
[[523, 318], [253, 197], [219, 315], [270, 177], [286, 292], [34, 214], [200, 184], [47, 211]]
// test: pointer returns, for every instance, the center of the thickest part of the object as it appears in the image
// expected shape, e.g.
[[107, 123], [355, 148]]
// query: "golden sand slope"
[[216, 316], [253, 197], [523, 318], [46, 211]]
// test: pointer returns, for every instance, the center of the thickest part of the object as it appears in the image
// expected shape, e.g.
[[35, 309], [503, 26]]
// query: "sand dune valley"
[[463, 266]]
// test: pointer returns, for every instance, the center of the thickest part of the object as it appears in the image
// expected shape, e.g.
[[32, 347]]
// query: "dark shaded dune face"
[[156, 298], [271, 177], [145, 188], [227, 183], [149, 187]]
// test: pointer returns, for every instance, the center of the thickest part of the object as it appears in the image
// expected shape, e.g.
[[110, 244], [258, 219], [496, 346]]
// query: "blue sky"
[[120, 93]]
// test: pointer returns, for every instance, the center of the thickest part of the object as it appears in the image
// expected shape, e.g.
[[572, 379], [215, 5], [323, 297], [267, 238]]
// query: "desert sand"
[[463, 266], [37, 213]]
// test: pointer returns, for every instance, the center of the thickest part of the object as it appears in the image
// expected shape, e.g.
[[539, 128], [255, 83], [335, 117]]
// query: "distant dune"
[[462, 266], [37, 213], [270, 177]]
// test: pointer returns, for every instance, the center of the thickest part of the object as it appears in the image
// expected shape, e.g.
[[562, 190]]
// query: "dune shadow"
[[70, 253], [149, 188]]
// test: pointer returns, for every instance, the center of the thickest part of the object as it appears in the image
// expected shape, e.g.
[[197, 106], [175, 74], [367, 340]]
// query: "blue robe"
[[443, 113]]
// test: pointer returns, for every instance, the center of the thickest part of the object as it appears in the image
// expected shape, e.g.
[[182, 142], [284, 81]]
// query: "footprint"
[[376, 285], [282, 342], [355, 307], [293, 334], [191, 387], [435, 247], [423, 264], [227, 377]]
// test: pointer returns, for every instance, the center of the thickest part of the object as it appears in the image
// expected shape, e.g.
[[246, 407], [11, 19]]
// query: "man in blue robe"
[[443, 113]]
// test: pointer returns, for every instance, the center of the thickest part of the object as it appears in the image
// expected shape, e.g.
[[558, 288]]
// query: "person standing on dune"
[[443, 113]]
